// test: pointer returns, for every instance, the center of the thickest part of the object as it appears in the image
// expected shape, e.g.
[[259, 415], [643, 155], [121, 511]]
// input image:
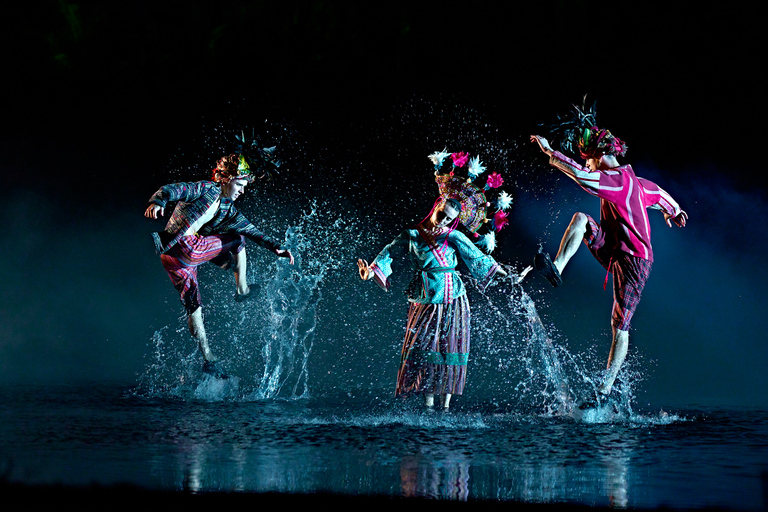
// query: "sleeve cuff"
[[489, 277], [379, 277]]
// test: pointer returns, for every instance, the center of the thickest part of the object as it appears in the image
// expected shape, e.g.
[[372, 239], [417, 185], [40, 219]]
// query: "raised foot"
[[543, 264]]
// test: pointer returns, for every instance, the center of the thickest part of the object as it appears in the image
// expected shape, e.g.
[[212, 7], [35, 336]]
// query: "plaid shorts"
[[181, 262], [630, 273]]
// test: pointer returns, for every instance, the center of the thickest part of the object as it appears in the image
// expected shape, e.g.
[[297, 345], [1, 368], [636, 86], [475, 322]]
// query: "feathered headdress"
[[475, 206], [248, 161], [581, 135], [263, 162]]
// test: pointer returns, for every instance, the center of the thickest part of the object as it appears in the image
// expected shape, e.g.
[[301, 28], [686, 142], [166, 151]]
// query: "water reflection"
[[301, 446], [423, 476], [614, 451], [531, 461]]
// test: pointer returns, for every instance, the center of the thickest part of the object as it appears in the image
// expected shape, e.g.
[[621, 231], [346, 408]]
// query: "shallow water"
[[314, 357], [81, 435]]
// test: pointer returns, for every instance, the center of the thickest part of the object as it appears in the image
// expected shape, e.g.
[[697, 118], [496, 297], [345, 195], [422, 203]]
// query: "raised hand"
[[542, 142], [285, 253], [154, 211], [680, 219], [364, 269]]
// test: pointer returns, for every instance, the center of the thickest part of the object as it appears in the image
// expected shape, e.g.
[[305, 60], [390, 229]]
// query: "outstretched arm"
[[543, 144], [381, 268], [515, 278], [659, 199], [587, 178]]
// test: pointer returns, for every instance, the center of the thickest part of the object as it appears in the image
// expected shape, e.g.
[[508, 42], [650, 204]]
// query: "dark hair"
[[455, 203]]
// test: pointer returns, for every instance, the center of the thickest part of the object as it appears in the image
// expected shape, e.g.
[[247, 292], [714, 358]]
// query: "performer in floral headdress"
[[621, 241], [436, 347], [206, 227]]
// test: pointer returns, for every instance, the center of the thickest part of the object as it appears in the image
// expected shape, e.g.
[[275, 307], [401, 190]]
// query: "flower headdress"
[[475, 206], [582, 135]]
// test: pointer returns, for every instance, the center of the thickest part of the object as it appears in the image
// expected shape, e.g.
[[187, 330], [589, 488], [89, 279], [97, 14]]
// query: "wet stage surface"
[[80, 436]]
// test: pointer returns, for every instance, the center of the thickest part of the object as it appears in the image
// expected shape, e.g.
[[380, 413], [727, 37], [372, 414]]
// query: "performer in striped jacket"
[[621, 241], [206, 227]]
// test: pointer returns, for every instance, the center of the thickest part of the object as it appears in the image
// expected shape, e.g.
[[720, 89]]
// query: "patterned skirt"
[[435, 350]]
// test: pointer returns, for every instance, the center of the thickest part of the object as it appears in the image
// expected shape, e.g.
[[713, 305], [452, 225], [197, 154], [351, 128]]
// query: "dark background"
[[100, 98]]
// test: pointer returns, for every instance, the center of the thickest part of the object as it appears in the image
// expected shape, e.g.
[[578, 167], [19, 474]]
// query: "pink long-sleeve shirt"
[[624, 198]]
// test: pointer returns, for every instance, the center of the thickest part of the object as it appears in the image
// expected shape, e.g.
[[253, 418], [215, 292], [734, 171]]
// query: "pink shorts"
[[181, 262]]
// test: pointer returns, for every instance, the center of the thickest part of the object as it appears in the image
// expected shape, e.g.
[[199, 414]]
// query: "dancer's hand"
[[542, 142], [524, 273], [680, 219], [364, 269], [154, 211], [285, 253], [516, 278]]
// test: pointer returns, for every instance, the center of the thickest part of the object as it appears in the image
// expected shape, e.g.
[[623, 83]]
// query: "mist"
[[84, 292], [98, 118]]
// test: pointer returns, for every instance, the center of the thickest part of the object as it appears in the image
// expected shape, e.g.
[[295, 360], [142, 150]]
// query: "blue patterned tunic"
[[436, 280]]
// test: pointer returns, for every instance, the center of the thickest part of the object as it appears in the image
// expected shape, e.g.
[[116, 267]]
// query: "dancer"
[[206, 227], [621, 241], [437, 341]]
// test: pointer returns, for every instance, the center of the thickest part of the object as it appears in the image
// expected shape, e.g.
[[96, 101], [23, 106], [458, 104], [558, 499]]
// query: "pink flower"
[[460, 159], [500, 220], [494, 180]]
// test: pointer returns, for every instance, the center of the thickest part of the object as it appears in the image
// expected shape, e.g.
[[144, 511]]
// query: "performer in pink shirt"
[[621, 241]]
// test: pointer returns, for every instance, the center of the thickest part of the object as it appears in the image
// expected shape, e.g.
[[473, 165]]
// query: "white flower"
[[503, 201], [488, 242], [438, 157], [476, 167]]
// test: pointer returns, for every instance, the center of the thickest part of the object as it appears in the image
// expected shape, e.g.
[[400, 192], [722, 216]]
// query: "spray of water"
[[311, 322], [265, 343], [534, 369]]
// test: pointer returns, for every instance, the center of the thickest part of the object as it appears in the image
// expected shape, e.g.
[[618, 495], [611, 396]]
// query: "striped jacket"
[[194, 199], [624, 198]]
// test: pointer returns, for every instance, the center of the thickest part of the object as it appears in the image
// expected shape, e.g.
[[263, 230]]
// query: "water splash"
[[314, 327], [535, 363], [290, 316], [271, 337]]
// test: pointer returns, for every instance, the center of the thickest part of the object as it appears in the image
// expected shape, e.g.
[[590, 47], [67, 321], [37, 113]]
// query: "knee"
[[579, 221]]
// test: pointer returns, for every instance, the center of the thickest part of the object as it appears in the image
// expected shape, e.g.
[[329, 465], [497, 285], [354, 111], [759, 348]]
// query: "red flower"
[[500, 220], [494, 180], [460, 159]]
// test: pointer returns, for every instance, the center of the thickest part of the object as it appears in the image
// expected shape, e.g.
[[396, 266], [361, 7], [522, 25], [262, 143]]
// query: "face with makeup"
[[233, 188], [444, 215]]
